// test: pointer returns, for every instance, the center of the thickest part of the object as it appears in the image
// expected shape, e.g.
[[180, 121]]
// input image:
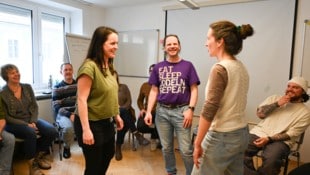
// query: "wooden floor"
[[139, 162]]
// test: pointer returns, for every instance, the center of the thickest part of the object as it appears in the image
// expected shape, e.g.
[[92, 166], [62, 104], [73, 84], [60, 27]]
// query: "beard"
[[294, 96]]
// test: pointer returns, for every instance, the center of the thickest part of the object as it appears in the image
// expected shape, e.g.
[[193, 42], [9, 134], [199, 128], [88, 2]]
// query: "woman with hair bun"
[[223, 132]]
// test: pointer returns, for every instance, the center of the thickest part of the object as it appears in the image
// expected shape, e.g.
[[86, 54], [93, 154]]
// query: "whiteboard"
[[266, 54], [77, 47], [137, 51]]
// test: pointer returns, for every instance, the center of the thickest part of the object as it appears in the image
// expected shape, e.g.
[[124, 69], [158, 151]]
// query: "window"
[[33, 40], [12, 48]]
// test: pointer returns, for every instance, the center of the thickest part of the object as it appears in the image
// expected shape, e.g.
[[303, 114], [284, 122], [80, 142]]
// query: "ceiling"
[[119, 3]]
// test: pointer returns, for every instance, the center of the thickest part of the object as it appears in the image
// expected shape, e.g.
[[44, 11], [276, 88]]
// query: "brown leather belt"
[[172, 106]]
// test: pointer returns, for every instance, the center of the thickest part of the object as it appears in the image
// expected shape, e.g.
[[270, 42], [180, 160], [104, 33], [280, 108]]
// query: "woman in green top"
[[97, 102]]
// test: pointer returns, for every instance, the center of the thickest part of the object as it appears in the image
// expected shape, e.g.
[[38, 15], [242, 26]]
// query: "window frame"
[[37, 10]]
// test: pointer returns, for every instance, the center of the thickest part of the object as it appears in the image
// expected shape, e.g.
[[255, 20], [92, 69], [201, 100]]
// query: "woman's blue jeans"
[[32, 144], [223, 153]]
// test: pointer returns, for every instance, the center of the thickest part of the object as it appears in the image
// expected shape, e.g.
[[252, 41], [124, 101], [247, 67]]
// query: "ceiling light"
[[190, 4]]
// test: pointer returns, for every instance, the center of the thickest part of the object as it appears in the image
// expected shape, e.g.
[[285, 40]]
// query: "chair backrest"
[[298, 142], [133, 113]]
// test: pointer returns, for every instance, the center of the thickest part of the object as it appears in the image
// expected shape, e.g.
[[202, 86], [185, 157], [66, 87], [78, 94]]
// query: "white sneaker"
[[153, 145]]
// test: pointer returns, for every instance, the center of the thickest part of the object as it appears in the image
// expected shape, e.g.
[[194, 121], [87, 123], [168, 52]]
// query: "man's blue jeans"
[[67, 130], [168, 122], [6, 153], [223, 153]]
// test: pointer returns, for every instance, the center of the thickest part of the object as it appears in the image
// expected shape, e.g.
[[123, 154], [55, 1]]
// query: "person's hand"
[[260, 142], [88, 137], [148, 119], [188, 118], [119, 122], [72, 117], [197, 154], [34, 126], [284, 100]]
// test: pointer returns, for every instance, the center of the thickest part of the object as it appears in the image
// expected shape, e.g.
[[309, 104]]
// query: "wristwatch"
[[191, 108]]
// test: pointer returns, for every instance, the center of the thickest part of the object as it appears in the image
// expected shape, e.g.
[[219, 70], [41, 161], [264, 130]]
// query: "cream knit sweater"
[[230, 116]]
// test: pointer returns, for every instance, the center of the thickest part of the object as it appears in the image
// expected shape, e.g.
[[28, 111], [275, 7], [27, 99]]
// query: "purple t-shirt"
[[173, 81]]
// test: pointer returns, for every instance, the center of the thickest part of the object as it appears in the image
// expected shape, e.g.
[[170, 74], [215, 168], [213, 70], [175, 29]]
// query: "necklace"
[[15, 89]]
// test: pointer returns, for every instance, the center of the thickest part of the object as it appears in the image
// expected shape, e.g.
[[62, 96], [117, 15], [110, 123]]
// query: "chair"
[[130, 134], [18, 142], [60, 133], [294, 152], [59, 138]]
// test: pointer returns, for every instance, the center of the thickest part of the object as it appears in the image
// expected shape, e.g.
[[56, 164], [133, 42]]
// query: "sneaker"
[[141, 139], [67, 153], [153, 144], [42, 161]]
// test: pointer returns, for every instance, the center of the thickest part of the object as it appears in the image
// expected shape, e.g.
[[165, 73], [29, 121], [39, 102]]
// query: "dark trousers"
[[129, 124], [302, 170], [272, 156], [144, 128], [32, 144], [97, 156]]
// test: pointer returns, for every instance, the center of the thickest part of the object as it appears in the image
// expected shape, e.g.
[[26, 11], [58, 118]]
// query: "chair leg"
[[134, 147], [60, 144], [298, 159], [285, 166], [60, 132]]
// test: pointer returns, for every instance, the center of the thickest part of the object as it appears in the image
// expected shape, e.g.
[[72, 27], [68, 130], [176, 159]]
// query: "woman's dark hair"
[[96, 52], [231, 34], [5, 70]]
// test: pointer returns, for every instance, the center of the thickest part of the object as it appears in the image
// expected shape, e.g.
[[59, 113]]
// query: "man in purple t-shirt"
[[175, 87]]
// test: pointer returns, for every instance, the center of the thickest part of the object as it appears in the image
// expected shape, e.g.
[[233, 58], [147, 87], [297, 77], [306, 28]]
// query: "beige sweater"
[[292, 118]]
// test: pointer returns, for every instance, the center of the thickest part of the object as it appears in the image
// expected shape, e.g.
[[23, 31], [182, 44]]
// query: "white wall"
[[153, 17], [45, 110], [303, 13], [137, 18]]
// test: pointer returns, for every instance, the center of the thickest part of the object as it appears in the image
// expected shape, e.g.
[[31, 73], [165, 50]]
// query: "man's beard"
[[295, 98]]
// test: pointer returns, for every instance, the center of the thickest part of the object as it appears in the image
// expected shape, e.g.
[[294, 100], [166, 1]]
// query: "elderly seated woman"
[[21, 114]]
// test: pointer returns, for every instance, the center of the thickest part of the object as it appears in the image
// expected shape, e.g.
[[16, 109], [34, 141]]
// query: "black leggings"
[[97, 156]]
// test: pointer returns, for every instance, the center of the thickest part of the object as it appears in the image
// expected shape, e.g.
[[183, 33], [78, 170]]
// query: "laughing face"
[[172, 46], [67, 71], [110, 46], [13, 76], [294, 91]]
